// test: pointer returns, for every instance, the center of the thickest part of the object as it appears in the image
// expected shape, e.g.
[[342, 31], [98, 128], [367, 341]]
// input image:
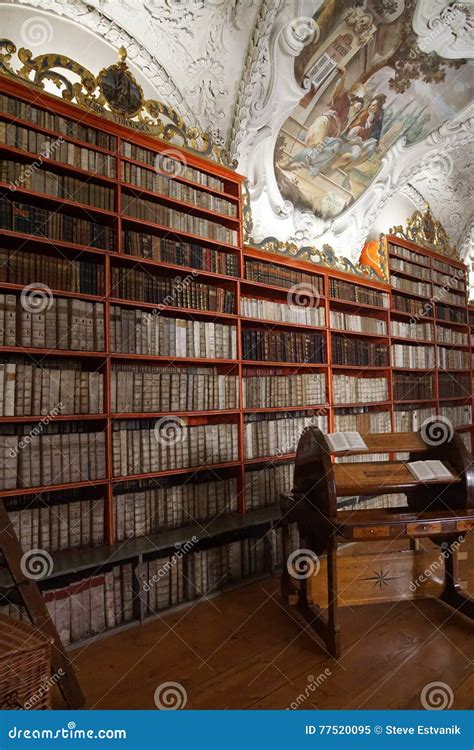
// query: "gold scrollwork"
[[114, 94], [325, 257], [423, 229]]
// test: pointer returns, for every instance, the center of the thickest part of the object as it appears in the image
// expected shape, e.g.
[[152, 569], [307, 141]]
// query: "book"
[[339, 442], [429, 471]]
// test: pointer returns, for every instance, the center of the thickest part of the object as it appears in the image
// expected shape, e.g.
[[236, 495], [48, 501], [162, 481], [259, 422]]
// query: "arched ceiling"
[[241, 69]]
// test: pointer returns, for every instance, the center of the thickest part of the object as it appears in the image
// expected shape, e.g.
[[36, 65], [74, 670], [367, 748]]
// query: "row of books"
[[450, 282], [419, 288], [178, 253], [141, 512], [59, 525], [48, 147], [355, 293], [55, 225], [349, 351], [40, 180], [47, 119], [362, 420], [283, 346], [266, 388], [412, 330], [55, 323], [451, 298], [166, 185], [139, 332], [277, 434], [370, 458], [174, 167], [422, 272], [172, 580], [451, 336], [138, 388], [409, 418], [57, 273], [454, 386], [282, 276], [45, 453], [451, 314], [87, 606], [380, 501], [448, 269], [147, 210], [341, 321], [283, 313], [350, 389], [413, 387], [263, 488], [458, 415], [416, 308], [142, 446], [416, 357], [404, 252], [62, 387], [453, 359], [179, 291]]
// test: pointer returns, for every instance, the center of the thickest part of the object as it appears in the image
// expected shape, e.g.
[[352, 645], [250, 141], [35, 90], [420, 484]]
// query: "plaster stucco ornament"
[[445, 27]]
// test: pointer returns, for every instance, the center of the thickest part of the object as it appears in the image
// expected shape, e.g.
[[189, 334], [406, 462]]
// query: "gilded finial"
[[122, 54]]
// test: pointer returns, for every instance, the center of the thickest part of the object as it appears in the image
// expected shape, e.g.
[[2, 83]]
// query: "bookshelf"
[[195, 361]]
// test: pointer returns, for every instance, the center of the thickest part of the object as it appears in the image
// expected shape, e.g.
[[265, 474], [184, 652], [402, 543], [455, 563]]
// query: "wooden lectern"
[[442, 511]]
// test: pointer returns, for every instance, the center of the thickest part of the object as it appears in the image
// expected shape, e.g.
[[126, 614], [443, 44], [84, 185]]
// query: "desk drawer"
[[428, 528], [371, 532]]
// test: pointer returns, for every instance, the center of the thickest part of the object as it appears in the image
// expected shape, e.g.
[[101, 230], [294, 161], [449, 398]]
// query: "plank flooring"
[[242, 650]]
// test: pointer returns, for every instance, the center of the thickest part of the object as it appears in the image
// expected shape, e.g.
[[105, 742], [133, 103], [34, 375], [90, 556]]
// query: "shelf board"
[[122, 257], [172, 472], [52, 488], [184, 206], [176, 311], [281, 324], [143, 225], [75, 560]]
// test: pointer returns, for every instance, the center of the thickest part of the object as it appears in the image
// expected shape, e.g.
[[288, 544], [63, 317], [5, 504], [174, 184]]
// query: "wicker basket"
[[25, 666]]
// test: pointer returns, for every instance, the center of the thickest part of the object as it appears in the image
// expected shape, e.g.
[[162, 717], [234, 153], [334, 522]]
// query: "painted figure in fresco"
[[347, 133], [323, 139]]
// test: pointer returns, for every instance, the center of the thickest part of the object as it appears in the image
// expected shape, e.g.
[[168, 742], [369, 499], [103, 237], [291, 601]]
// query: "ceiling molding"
[[445, 27], [111, 32]]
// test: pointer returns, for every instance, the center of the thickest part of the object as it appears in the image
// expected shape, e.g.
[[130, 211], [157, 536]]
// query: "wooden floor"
[[242, 650]]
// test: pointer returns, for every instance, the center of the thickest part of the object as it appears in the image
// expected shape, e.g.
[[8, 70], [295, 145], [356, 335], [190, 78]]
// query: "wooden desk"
[[441, 510]]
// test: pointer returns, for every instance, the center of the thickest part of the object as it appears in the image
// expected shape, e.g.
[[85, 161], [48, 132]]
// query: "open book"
[[339, 442], [429, 471]]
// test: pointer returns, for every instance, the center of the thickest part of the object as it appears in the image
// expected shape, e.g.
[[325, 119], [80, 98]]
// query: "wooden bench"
[[442, 511]]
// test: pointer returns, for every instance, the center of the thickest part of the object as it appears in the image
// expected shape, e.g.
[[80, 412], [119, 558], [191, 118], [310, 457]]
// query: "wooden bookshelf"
[[232, 275]]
